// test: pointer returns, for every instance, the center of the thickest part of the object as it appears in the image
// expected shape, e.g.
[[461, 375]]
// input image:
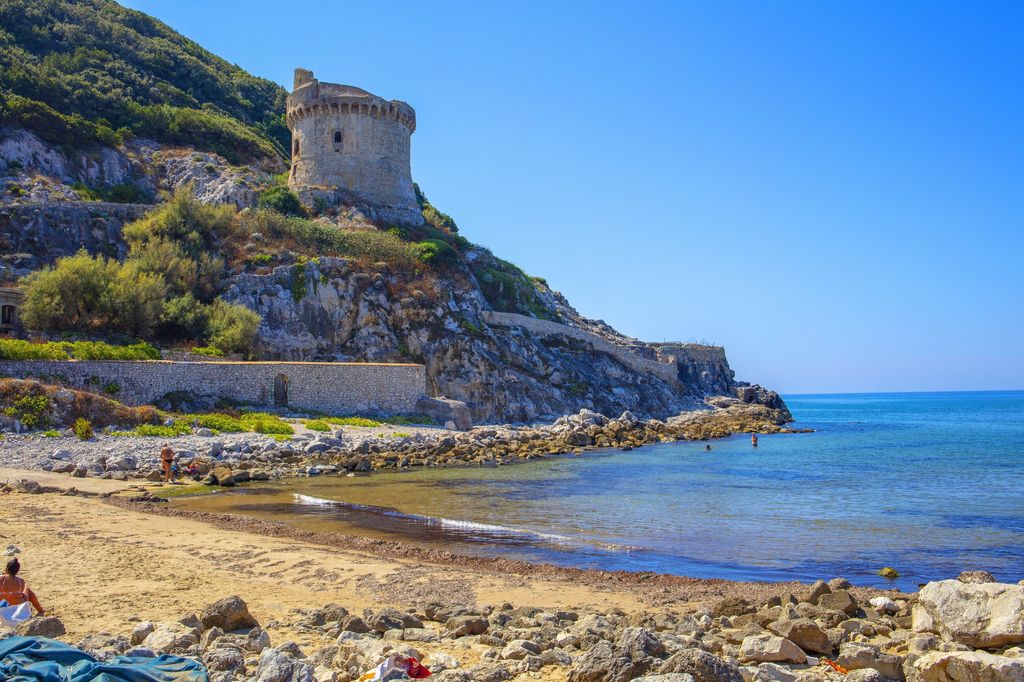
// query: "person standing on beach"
[[753, 439], [167, 460]]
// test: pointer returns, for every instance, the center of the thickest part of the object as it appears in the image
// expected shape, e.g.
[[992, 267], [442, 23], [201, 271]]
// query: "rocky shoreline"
[[970, 629], [964, 630], [231, 459]]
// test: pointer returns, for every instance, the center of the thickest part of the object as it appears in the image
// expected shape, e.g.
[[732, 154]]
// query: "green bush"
[[30, 410], [318, 425], [83, 293], [16, 349], [282, 200], [220, 422], [185, 317], [179, 428], [207, 351], [352, 421], [260, 259], [95, 350], [261, 422], [311, 237], [112, 388], [82, 429], [118, 194], [233, 327], [51, 433], [437, 252]]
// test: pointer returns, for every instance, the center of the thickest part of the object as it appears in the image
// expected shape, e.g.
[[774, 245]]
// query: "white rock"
[[986, 615], [770, 649], [885, 604], [965, 666]]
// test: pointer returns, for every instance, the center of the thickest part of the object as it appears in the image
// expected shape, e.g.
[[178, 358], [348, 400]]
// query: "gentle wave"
[[459, 525]]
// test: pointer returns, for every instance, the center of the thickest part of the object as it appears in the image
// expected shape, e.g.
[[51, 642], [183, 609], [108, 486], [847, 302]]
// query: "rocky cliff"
[[506, 344], [347, 312]]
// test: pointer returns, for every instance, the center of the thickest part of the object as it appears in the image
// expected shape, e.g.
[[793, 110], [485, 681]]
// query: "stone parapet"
[[666, 370], [330, 387]]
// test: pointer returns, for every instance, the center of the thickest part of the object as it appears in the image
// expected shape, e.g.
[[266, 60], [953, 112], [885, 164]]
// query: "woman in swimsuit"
[[15, 590]]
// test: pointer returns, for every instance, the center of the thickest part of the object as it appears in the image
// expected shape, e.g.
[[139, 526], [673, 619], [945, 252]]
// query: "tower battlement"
[[352, 141]]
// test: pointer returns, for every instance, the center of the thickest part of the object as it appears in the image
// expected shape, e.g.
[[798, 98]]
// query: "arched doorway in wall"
[[281, 390]]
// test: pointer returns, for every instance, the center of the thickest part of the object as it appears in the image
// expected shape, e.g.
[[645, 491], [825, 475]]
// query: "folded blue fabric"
[[38, 659]]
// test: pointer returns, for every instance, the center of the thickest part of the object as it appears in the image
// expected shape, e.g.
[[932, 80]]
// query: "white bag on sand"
[[12, 615]]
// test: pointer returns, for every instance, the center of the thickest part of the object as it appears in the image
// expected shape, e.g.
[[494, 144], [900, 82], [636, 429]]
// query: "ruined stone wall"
[[347, 138], [703, 368], [334, 388], [665, 370]]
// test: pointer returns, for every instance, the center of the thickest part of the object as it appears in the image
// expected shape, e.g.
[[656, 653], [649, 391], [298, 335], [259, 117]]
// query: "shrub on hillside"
[[318, 425], [82, 429], [16, 349], [437, 252], [311, 237], [83, 293], [95, 350], [233, 327], [282, 200]]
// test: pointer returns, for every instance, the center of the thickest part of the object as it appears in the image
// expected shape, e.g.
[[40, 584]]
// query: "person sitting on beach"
[[167, 460], [14, 590]]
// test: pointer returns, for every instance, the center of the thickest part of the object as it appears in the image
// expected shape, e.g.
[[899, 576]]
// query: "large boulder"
[[704, 666], [803, 632], [771, 649], [42, 626], [230, 613], [280, 666], [856, 656], [602, 663], [965, 666], [170, 638], [980, 615], [639, 642], [460, 626]]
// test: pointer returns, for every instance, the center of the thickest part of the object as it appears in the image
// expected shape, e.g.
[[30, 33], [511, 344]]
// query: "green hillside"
[[90, 71]]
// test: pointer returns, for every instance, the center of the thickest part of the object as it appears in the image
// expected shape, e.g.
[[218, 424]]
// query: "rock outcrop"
[[504, 373]]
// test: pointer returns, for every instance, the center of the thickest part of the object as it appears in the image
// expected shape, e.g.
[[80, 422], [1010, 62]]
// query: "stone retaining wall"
[[331, 387], [666, 370]]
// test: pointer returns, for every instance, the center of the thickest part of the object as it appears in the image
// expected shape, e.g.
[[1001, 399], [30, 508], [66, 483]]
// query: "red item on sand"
[[415, 670]]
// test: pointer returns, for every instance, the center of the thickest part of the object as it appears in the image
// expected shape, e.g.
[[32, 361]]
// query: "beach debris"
[[11, 550], [396, 667]]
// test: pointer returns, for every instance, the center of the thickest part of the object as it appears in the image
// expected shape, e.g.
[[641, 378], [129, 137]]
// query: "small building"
[[10, 303]]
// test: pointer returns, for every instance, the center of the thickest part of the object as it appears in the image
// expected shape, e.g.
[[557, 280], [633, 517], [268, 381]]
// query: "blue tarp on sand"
[[37, 659]]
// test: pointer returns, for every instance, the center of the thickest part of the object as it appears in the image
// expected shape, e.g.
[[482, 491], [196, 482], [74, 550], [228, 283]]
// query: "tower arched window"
[[337, 140], [295, 148]]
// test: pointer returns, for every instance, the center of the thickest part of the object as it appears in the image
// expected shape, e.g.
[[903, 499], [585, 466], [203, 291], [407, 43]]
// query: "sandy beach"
[[139, 560]]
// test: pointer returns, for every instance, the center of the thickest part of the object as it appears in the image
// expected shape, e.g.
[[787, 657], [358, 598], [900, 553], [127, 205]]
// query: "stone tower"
[[351, 146]]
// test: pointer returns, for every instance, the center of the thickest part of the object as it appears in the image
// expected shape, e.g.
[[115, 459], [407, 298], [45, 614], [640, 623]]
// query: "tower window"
[[295, 148], [337, 140]]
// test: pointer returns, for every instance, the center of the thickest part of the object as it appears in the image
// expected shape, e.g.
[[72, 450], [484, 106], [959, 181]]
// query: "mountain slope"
[[94, 72]]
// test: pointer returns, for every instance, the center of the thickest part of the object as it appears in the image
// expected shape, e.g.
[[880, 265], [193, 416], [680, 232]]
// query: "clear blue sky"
[[833, 191]]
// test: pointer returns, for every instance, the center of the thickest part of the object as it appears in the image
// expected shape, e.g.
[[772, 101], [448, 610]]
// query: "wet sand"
[[98, 563]]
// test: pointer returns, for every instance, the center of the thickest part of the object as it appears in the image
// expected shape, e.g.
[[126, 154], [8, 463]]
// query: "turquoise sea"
[[929, 483]]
